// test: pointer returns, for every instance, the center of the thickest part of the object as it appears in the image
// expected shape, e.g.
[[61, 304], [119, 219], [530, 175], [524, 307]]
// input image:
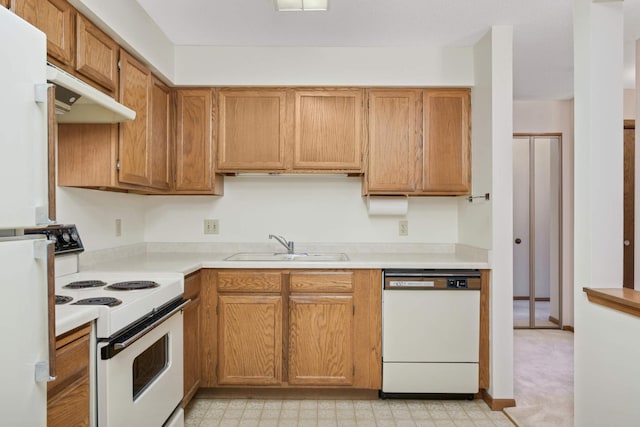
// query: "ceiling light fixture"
[[301, 5]]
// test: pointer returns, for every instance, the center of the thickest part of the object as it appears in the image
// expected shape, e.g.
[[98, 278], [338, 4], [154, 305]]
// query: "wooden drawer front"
[[251, 281], [96, 55], [192, 285], [72, 364], [322, 282]]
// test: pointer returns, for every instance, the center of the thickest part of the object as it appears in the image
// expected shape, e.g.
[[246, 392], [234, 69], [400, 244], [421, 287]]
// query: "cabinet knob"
[[518, 241], [627, 242]]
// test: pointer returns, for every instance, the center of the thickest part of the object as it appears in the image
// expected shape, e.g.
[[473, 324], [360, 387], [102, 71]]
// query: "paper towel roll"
[[387, 205]]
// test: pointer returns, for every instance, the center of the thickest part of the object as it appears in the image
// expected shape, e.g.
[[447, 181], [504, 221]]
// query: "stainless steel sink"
[[278, 256]]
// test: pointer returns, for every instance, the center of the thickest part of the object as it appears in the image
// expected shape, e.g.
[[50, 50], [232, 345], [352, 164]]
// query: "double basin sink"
[[278, 256]]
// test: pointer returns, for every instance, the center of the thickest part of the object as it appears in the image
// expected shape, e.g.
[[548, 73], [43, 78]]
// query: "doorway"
[[537, 230]]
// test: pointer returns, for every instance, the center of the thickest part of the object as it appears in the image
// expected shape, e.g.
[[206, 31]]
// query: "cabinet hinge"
[[119, 65], [353, 370], [216, 310], [354, 310], [118, 165]]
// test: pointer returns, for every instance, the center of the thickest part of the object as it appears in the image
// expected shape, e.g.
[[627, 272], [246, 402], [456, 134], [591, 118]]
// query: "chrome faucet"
[[283, 242]]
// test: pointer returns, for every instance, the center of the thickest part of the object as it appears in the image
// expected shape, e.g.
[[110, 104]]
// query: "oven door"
[[140, 380]]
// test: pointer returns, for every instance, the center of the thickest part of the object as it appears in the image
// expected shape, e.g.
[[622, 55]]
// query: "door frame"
[[559, 324]]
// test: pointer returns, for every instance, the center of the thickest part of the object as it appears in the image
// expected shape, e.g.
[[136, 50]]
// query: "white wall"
[[555, 117], [211, 65], [629, 109], [605, 380], [489, 224], [94, 213], [303, 209]]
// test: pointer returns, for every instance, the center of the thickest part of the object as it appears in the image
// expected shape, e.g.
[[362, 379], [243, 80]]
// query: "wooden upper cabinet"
[[56, 19], [4, 3], [447, 142], [134, 153], [96, 55], [395, 154], [328, 129], [160, 135], [252, 130], [249, 339], [194, 143]]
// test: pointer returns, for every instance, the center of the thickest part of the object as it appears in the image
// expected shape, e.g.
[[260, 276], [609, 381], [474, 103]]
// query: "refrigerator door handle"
[[45, 250], [51, 302]]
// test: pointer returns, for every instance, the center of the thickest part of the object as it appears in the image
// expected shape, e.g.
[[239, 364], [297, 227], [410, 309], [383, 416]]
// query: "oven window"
[[149, 364]]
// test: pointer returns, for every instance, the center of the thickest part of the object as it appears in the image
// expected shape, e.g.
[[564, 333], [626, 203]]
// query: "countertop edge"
[[621, 299]]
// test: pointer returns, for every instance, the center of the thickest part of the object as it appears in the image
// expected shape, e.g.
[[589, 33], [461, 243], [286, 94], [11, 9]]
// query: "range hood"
[[78, 102]]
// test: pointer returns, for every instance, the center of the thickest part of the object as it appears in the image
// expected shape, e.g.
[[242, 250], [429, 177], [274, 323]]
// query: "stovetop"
[[133, 305]]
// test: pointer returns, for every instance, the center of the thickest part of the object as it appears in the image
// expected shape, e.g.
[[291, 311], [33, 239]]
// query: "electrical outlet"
[[118, 227], [403, 228], [211, 226]]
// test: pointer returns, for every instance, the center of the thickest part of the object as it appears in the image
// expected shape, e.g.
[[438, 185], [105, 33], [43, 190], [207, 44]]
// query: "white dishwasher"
[[430, 332]]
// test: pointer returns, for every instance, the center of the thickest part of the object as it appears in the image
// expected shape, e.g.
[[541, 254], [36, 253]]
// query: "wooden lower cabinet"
[[68, 397], [249, 339], [191, 318], [291, 328], [321, 340]]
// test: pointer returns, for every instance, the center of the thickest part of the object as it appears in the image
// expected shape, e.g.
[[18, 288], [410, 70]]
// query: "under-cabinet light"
[[301, 5]]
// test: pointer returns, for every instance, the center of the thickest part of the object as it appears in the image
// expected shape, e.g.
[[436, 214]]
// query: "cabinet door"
[[134, 155], [96, 55], [55, 18], [160, 135], [192, 373], [252, 130], [249, 340], [4, 3], [321, 340], [68, 397], [194, 142], [328, 129], [447, 144], [395, 155]]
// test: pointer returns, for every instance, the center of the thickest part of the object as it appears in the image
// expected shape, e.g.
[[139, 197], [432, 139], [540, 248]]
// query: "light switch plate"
[[211, 226]]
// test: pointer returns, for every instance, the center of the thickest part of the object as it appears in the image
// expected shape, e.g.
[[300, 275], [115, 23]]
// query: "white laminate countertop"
[[69, 317], [188, 258]]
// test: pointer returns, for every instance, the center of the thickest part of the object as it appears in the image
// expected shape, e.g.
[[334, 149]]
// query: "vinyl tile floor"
[[209, 412]]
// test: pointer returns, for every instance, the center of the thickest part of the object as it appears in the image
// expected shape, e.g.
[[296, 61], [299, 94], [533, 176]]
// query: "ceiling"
[[542, 30]]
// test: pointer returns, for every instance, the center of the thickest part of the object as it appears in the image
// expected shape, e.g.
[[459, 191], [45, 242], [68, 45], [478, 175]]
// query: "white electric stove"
[[138, 370]]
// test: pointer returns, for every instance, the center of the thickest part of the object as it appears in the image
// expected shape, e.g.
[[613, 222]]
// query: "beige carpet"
[[543, 386]]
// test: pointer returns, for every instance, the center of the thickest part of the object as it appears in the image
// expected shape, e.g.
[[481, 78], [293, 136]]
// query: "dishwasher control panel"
[[431, 279], [457, 283]]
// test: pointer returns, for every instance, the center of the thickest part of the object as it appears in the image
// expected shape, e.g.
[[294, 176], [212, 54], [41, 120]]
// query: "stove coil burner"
[[62, 299], [133, 285], [108, 301], [85, 284]]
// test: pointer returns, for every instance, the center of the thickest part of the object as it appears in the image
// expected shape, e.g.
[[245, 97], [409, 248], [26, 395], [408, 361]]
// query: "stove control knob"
[[66, 237], [74, 235]]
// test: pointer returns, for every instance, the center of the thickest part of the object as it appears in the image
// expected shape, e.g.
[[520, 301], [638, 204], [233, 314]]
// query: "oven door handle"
[[122, 345]]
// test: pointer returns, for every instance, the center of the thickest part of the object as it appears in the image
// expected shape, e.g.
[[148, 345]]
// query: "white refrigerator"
[[26, 276]]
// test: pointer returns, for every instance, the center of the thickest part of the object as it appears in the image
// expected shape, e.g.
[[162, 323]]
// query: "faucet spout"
[[283, 242]]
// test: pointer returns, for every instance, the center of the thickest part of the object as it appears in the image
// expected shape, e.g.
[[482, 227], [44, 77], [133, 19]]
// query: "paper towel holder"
[[400, 209], [486, 196]]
